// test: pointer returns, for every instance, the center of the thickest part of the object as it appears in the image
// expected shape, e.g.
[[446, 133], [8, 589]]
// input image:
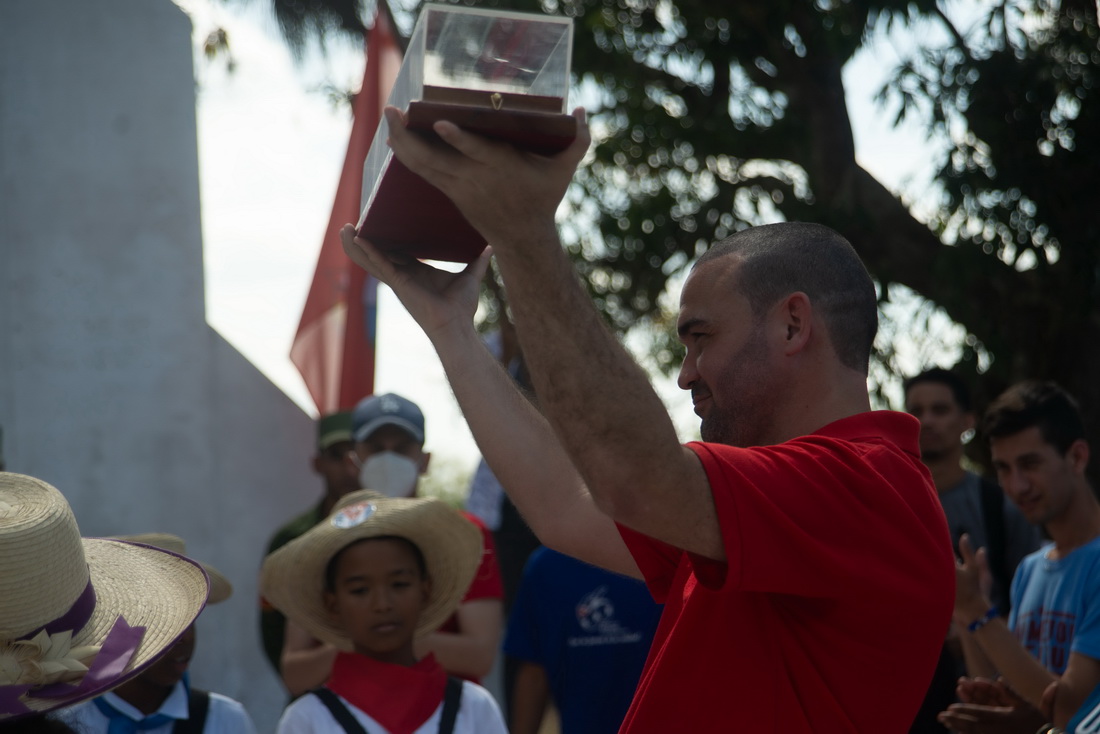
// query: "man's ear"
[[1078, 454], [796, 314], [425, 458]]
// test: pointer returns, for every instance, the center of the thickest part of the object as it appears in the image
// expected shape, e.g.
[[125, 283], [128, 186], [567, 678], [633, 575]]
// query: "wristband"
[[985, 619]]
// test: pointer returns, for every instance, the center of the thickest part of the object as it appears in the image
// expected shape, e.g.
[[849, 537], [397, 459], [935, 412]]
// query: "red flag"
[[334, 346]]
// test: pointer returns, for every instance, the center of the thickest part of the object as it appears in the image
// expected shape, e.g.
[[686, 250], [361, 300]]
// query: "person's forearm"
[[459, 654], [304, 670], [596, 397], [472, 649], [1020, 669], [525, 455], [599, 401], [977, 664], [530, 696]]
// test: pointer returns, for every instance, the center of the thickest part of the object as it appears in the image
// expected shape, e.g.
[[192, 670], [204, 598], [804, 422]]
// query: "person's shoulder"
[[478, 696], [294, 528], [1033, 560], [80, 716], [543, 557], [475, 520], [476, 690], [230, 707], [1090, 556], [307, 708], [873, 427], [871, 435], [486, 533]]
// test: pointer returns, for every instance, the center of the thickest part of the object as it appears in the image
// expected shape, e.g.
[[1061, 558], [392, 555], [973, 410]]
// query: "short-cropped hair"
[[780, 259], [1039, 404], [939, 376]]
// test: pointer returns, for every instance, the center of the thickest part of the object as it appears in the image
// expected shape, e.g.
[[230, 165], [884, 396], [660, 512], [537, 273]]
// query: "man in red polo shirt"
[[800, 550]]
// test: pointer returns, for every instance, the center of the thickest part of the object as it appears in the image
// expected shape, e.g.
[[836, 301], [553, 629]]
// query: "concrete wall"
[[112, 386]]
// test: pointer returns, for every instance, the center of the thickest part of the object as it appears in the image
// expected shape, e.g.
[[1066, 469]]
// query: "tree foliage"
[[711, 117]]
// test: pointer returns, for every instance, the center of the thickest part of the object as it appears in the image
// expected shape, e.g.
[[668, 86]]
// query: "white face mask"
[[391, 474]]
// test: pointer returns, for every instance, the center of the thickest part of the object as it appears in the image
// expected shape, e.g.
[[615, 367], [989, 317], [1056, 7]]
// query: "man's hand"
[[986, 692], [504, 192], [990, 707], [973, 581], [434, 298]]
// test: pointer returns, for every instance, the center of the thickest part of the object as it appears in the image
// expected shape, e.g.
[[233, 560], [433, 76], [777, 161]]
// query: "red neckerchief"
[[399, 698]]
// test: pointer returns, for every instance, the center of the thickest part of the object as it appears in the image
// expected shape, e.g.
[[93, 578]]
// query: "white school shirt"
[[478, 713], [225, 716]]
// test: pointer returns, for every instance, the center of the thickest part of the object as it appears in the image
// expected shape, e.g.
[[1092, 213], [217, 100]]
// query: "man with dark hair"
[[974, 506], [1052, 638], [798, 256], [800, 551], [331, 464]]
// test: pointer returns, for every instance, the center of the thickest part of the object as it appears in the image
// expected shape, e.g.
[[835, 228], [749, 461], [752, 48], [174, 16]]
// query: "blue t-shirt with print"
[[590, 629], [1056, 605]]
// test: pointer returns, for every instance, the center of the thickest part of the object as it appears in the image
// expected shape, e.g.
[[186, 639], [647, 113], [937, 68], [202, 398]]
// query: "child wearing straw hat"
[[369, 579], [79, 616], [161, 700]]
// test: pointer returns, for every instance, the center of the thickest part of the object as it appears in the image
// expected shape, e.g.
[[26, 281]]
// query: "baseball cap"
[[386, 410], [333, 428]]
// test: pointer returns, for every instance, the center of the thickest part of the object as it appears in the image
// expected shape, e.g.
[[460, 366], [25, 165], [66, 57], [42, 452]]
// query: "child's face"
[[378, 596]]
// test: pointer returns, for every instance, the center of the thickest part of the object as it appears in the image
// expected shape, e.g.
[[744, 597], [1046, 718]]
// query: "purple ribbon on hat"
[[10, 705], [114, 655]]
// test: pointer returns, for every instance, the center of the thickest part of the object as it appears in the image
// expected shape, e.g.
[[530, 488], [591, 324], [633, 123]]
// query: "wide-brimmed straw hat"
[[220, 588], [79, 616], [293, 577]]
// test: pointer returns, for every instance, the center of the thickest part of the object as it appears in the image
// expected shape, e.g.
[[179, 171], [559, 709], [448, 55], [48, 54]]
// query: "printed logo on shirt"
[[596, 617], [353, 515], [1047, 635]]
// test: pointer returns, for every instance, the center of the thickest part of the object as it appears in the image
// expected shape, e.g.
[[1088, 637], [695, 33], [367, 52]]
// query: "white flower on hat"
[[44, 659]]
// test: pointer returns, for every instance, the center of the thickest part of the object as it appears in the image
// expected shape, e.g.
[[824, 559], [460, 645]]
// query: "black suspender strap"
[[198, 704], [339, 711], [452, 697]]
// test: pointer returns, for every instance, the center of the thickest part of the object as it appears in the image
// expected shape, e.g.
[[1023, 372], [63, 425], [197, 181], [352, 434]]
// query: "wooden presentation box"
[[500, 74]]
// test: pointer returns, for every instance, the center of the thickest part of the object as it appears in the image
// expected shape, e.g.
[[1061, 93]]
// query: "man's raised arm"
[[512, 436], [599, 403]]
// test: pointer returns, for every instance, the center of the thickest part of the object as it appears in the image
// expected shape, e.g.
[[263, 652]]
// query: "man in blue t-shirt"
[[1052, 639], [582, 635]]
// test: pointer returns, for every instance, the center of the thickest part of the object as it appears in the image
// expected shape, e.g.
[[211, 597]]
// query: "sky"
[[271, 146]]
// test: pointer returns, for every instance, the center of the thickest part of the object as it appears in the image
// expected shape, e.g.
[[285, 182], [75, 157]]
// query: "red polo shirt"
[[832, 606]]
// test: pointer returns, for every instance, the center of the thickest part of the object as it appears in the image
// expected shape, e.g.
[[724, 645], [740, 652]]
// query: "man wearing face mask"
[[388, 445], [388, 455]]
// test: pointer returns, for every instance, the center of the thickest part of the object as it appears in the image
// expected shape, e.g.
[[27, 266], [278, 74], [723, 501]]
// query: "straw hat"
[[79, 616], [293, 577], [220, 588]]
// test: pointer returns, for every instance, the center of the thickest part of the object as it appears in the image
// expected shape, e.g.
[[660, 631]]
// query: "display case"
[[500, 74]]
